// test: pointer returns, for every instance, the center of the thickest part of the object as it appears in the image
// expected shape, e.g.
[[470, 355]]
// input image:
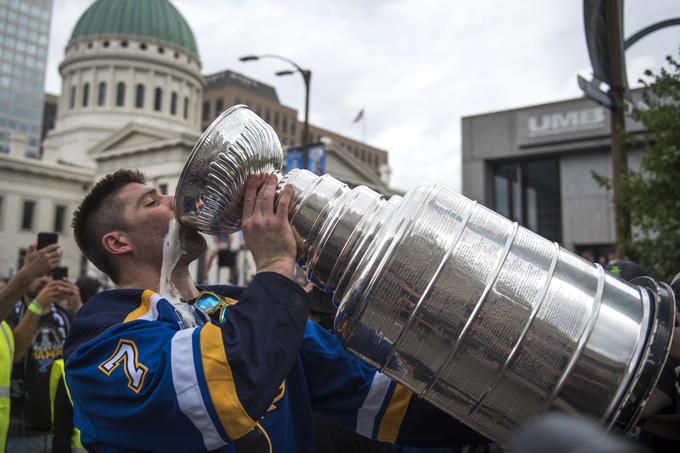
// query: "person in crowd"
[[626, 270], [660, 427], [88, 287], [569, 433], [147, 371], [65, 436], [39, 330], [226, 256], [35, 264], [660, 418]]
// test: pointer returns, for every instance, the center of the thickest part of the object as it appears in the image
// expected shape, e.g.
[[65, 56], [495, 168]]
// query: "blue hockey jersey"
[[141, 381]]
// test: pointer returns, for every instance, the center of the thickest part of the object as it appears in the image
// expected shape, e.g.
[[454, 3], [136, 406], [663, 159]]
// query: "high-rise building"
[[24, 31]]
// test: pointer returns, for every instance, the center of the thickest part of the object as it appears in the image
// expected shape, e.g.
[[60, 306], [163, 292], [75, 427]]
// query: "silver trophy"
[[483, 318]]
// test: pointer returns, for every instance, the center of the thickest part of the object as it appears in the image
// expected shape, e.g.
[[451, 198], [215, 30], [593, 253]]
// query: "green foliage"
[[652, 194]]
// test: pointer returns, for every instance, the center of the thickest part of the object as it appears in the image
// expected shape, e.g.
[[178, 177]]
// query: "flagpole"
[[364, 118]]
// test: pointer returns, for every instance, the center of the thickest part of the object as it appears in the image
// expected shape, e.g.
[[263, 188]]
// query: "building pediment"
[[136, 137], [354, 172]]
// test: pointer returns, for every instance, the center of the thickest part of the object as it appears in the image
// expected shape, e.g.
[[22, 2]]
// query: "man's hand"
[[52, 292], [40, 262], [266, 228], [71, 293]]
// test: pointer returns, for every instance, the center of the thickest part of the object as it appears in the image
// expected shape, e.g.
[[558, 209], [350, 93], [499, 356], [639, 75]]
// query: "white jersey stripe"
[[187, 389], [372, 404]]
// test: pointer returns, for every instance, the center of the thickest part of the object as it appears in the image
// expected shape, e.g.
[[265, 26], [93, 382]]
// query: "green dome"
[[157, 19]]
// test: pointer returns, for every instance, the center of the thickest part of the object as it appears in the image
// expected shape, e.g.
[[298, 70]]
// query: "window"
[[292, 127], [267, 117], [101, 98], [529, 192], [186, 107], [284, 124], [276, 120], [206, 111], [219, 106], [2, 201], [27, 215], [120, 94], [86, 94], [139, 96], [72, 98], [59, 216], [157, 99], [173, 103], [163, 188]]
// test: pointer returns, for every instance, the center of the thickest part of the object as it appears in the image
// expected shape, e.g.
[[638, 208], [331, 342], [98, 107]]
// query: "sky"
[[416, 67]]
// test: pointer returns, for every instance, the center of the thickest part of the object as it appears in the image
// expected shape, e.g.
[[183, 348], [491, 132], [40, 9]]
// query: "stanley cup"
[[483, 318]]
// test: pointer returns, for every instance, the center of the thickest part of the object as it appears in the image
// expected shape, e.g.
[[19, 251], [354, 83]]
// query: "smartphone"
[[58, 273], [45, 239]]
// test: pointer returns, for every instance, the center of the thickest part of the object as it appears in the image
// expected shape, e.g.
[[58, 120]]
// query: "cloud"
[[415, 66]]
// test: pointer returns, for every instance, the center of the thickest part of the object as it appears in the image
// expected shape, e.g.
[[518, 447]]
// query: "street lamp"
[[306, 76]]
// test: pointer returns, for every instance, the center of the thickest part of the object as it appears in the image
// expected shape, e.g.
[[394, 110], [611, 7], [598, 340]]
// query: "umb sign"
[[569, 121]]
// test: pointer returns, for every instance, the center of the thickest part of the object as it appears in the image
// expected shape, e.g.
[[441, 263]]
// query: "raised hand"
[[265, 225], [40, 262], [52, 292], [71, 293]]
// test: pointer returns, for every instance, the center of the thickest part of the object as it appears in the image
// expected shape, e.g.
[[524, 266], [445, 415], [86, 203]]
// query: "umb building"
[[534, 165]]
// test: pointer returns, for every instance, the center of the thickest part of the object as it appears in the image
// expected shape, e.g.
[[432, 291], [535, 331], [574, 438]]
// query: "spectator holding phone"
[[40, 327]]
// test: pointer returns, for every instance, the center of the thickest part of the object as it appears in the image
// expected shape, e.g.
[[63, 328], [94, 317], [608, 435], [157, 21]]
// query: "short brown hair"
[[99, 213]]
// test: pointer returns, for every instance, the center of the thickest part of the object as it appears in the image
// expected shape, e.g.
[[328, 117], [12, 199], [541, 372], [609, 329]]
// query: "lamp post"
[[306, 77]]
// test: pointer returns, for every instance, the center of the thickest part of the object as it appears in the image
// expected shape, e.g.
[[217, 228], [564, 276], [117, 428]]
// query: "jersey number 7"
[[127, 354]]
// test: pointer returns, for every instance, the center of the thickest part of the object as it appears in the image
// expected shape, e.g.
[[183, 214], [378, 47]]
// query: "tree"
[[652, 194]]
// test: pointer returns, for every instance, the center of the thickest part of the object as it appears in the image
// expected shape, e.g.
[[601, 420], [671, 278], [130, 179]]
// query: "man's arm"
[[347, 391], [36, 264], [25, 330]]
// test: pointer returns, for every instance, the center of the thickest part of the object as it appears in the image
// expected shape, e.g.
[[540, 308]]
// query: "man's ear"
[[116, 243]]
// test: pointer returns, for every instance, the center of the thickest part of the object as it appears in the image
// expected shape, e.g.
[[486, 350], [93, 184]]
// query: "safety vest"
[[6, 363], [56, 375]]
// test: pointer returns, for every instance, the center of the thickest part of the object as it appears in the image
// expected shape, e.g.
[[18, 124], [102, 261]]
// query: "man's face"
[[147, 213]]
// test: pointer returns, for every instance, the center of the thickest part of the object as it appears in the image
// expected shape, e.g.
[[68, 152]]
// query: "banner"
[[316, 158]]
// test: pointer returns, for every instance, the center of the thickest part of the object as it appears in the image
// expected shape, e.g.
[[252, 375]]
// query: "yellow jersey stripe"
[[221, 385], [394, 414], [143, 308]]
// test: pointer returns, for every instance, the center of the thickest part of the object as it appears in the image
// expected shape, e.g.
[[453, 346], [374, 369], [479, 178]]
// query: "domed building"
[[131, 90], [130, 98]]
